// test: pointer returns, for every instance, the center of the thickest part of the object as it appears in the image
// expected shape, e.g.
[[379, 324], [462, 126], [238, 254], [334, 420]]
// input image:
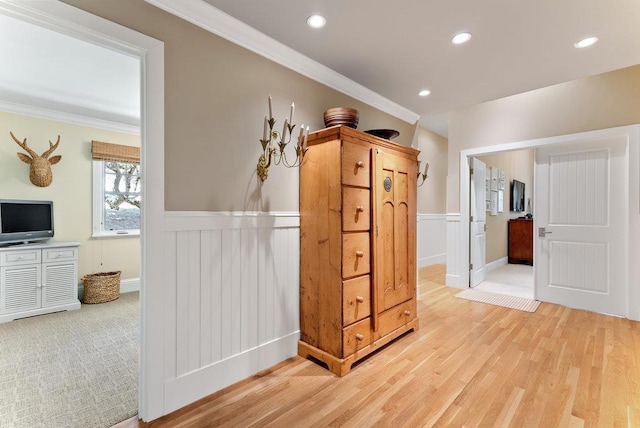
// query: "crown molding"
[[66, 117], [217, 22]]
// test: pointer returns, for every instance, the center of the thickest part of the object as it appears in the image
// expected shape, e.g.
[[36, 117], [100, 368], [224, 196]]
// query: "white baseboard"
[[455, 281], [496, 264], [129, 285], [432, 260]]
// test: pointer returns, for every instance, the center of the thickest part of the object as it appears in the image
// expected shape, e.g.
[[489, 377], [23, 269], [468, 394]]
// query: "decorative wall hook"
[[274, 144], [424, 175], [39, 165]]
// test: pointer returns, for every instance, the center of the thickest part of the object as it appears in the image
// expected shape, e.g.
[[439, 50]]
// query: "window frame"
[[98, 205]]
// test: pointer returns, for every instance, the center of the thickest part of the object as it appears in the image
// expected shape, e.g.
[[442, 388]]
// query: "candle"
[[301, 135], [284, 131], [293, 106], [426, 169], [264, 132], [270, 111]]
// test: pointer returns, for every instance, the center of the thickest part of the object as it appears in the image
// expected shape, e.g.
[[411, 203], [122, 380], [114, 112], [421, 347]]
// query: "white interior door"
[[478, 230], [581, 207]]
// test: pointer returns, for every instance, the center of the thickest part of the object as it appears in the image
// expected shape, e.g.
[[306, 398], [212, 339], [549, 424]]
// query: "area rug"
[[519, 303], [71, 369]]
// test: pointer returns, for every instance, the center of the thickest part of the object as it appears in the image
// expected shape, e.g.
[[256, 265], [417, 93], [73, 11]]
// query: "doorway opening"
[[86, 355], [563, 166], [66, 19], [502, 227]]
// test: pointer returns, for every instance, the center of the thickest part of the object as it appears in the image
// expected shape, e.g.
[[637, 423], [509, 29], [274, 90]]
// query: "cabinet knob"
[[359, 254], [407, 313], [360, 208], [359, 336], [360, 164], [359, 299]]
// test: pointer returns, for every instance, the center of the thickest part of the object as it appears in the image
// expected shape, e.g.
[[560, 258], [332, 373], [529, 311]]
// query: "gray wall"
[[215, 102], [597, 102]]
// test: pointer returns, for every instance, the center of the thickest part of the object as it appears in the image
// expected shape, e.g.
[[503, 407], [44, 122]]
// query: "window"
[[116, 189]]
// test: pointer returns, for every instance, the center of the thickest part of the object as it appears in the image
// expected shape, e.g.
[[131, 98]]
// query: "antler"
[[24, 145], [52, 147]]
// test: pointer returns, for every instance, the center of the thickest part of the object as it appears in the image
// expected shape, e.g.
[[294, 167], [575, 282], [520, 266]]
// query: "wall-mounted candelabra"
[[274, 143], [422, 176]]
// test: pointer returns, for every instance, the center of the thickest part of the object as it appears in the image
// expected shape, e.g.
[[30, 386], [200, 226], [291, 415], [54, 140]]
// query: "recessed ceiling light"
[[424, 92], [461, 38], [586, 42], [316, 21]]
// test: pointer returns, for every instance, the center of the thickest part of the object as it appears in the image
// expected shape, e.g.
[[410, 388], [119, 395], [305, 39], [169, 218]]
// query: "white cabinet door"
[[59, 283], [20, 288]]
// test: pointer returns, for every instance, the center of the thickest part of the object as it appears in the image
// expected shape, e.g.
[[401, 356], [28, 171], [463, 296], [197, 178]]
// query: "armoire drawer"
[[355, 254], [356, 337], [395, 317], [355, 165], [356, 299], [356, 214]]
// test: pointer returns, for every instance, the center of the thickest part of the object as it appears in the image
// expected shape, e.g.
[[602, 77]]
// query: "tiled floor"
[[510, 279]]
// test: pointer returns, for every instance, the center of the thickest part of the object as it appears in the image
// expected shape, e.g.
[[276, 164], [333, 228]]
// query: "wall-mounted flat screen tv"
[[517, 196]]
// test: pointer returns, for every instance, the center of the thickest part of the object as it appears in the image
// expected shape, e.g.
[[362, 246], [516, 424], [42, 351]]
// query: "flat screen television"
[[25, 221], [517, 196]]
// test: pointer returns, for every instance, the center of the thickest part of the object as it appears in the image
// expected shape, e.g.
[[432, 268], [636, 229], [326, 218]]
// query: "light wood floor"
[[470, 364]]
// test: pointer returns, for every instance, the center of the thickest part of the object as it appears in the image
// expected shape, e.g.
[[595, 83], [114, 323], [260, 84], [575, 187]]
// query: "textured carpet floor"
[[520, 303], [71, 369]]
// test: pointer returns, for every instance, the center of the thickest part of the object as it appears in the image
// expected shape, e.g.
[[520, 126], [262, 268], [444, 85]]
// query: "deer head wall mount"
[[39, 165]]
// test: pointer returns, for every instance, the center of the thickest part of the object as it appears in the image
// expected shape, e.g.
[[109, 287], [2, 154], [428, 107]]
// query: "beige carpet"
[[71, 369], [520, 303]]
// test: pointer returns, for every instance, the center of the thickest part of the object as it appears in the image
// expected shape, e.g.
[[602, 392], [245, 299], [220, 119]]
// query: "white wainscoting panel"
[[432, 239], [232, 304], [456, 245]]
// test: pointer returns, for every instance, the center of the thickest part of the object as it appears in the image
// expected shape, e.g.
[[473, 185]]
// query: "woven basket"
[[101, 287]]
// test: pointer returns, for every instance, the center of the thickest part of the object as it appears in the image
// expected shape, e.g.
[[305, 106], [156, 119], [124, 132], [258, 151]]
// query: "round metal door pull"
[[387, 184]]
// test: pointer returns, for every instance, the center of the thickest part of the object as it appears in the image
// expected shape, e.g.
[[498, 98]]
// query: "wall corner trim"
[[204, 15]]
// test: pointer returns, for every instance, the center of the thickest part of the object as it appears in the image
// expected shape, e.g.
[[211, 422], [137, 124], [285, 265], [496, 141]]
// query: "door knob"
[[360, 164], [359, 254]]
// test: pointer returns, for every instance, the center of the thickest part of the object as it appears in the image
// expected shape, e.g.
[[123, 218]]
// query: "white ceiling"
[[398, 48], [394, 49], [50, 71]]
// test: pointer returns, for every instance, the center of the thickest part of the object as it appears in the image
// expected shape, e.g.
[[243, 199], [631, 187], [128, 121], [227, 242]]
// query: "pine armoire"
[[357, 245]]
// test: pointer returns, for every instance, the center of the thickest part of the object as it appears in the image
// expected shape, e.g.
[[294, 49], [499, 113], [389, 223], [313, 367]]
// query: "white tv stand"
[[38, 278]]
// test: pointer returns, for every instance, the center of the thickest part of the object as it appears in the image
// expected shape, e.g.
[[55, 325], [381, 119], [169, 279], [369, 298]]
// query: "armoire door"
[[394, 204]]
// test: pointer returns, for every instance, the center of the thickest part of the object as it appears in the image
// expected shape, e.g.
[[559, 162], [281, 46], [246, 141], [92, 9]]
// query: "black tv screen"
[[517, 196], [25, 221]]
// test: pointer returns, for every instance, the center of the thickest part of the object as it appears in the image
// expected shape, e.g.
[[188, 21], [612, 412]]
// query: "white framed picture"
[[500, 201], [494, 203], [502, 180], [495, 175]]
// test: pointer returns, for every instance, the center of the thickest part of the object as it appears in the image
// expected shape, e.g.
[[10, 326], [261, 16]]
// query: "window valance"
[[114, 152]]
